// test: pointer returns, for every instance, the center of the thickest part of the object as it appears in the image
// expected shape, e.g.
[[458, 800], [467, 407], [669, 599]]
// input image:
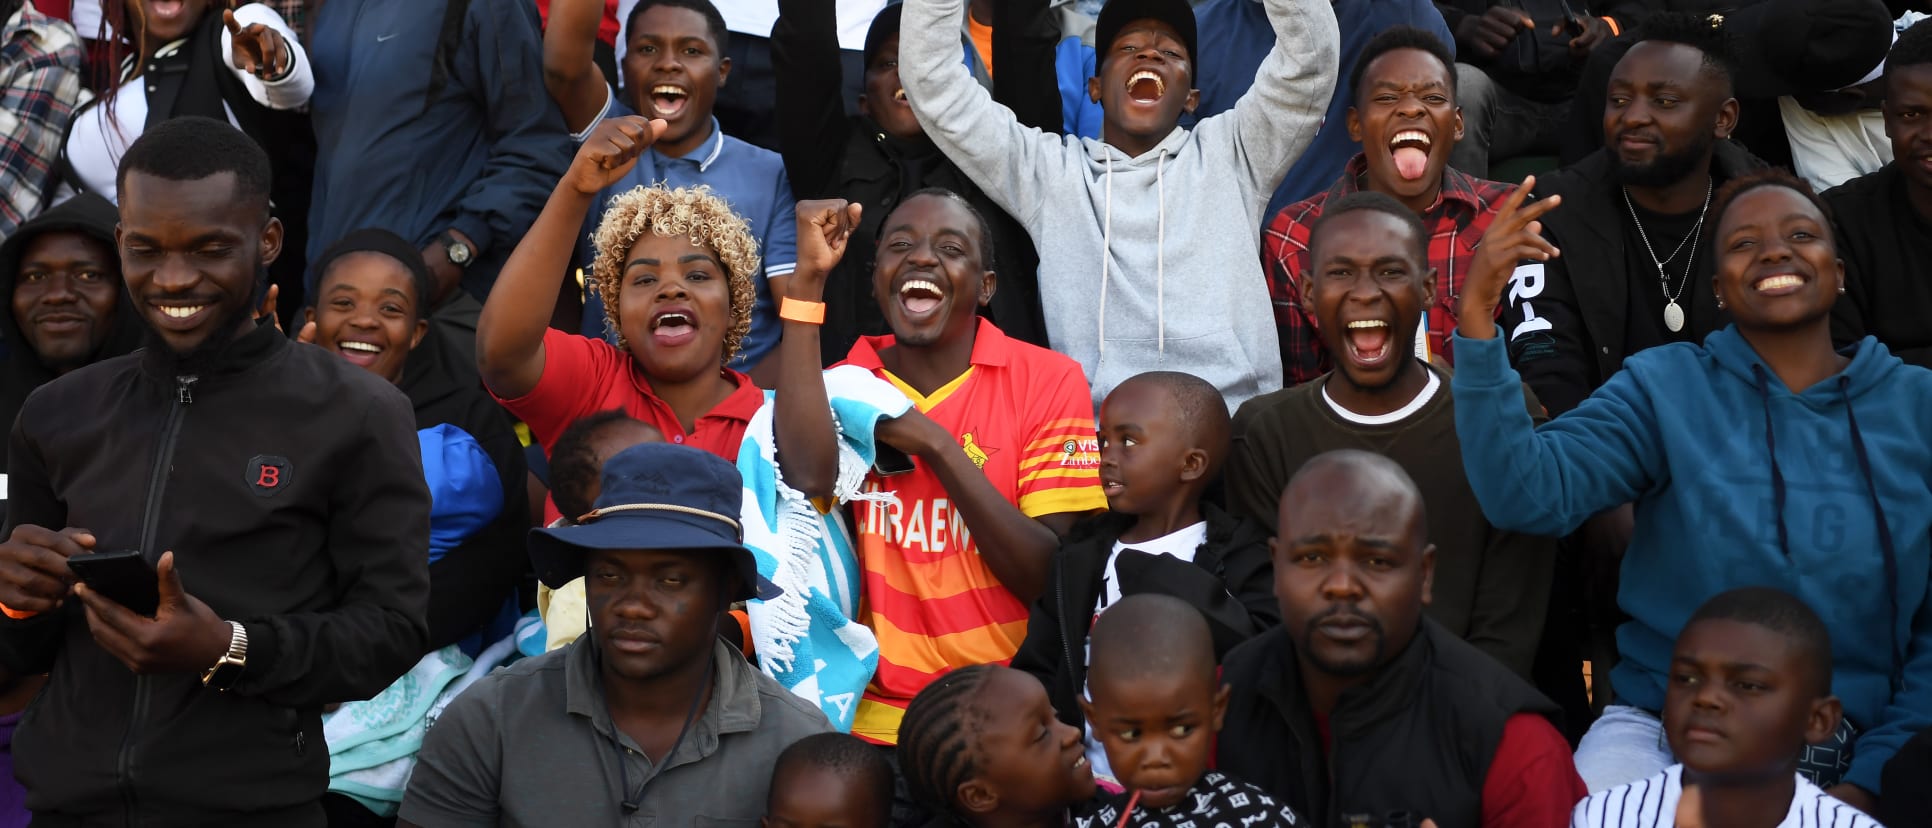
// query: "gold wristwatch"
[[223, 675]]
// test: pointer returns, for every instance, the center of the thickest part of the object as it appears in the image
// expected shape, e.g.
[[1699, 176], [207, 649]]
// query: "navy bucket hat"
[[657, 496]]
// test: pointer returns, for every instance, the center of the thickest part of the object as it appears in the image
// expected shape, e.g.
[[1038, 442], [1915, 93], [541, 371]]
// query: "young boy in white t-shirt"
[[1749, 690]]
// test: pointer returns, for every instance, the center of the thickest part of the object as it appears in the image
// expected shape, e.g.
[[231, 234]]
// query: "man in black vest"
[[1357, 709]]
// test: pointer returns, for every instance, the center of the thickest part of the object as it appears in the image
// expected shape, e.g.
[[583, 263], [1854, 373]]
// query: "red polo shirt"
[[583, 376]]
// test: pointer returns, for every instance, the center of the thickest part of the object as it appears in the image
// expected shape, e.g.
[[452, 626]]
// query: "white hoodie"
[[1110, 228]]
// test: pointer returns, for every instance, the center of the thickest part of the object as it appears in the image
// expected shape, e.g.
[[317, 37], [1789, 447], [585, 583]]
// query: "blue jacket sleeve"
[[781, 232], [529, 146], [1909, 711], [1548, 480]]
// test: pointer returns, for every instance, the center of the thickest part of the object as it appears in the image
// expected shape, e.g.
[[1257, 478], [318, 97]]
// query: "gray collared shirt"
[[533, 744]]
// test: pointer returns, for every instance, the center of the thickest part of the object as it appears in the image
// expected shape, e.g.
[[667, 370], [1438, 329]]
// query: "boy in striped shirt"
[[1749, 690]]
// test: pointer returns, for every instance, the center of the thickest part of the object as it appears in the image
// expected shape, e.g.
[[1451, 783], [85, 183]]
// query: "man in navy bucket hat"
[[581, 735]]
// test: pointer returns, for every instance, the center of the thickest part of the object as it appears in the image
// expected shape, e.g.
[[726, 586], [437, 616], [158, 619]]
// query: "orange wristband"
[[15, 614], [1615, 30], [799, 310]]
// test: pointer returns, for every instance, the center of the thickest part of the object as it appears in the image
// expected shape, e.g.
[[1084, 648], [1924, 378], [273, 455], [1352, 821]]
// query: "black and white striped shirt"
[[1652, 803]]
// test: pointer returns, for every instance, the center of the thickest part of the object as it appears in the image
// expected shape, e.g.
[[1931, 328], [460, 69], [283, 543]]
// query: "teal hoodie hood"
[[1825, 493]]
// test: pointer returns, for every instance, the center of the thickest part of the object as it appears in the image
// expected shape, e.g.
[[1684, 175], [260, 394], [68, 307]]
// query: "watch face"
[[459, 253]]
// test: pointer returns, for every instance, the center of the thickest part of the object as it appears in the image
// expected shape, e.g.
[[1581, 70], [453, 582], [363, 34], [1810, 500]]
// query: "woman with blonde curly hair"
[[675, 269]]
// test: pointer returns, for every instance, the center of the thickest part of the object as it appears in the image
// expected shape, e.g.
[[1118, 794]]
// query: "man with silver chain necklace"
[[1635, 271]]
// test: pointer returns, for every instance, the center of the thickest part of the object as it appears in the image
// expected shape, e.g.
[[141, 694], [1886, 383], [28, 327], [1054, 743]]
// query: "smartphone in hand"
[[125, 577]]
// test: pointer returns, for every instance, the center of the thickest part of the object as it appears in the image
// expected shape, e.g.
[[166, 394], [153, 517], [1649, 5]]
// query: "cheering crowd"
[[866, 414]]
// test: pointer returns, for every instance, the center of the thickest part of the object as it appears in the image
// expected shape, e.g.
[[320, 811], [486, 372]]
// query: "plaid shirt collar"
[[1457, 186]]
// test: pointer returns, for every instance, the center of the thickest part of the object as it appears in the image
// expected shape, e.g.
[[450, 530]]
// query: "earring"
[[1841, 288], [1720, 303]]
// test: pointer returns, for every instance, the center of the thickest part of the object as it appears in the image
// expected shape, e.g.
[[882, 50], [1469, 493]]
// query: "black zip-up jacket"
[[1576, 311], [830, 155], [1418, 737], [289, 485], [1232, 582]]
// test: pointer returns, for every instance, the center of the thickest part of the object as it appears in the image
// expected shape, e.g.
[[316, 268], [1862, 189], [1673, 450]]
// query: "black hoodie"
[[469, 585], [1231, 581], [21, 370]]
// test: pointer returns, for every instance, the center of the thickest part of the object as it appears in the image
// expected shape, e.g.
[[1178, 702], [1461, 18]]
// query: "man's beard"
[[1666, 169], [194, 359]]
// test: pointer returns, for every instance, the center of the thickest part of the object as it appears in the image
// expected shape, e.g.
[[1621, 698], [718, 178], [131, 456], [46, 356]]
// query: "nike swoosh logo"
[[381, 38]]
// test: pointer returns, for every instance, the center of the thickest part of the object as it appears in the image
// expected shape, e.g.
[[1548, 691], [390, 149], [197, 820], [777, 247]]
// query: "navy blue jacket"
[[480, 157]]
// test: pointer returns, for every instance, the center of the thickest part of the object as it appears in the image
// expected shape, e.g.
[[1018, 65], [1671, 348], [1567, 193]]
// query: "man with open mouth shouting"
[[1406, 118], [1107, 215]]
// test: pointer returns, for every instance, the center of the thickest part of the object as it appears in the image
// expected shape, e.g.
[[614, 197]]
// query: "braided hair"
[[938, 738]]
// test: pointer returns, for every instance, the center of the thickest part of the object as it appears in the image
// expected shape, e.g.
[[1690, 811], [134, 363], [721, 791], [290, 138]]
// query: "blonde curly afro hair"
[[696, 213]]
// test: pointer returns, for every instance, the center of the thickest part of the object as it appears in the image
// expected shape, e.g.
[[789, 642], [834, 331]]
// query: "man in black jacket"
[[1356, 677], [1884, 220], [287, 482], [1635, 271]]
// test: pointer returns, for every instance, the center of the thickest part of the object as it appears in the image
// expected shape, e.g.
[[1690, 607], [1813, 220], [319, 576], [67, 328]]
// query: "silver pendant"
[[1673, 317]]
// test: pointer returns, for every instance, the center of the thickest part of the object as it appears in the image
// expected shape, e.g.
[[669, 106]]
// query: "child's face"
[[1158, 731], [1144, 84], [930, 277], [1145, 452], [675, 307], [1032, 764], [884, 100], [1740, 702], [816, 797], [672, 71]]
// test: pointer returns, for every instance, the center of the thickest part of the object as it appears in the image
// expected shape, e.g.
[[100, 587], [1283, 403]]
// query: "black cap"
[[1118, 13], [1785, 47], [884, 24]]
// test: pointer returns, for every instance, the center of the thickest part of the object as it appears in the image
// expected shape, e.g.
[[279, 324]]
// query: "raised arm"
[[1279, 115], [812, 126], [807, 445], [569, 68], [1543, 481], [509, 331], [1014, 164], [267, 57], [1025, 37]]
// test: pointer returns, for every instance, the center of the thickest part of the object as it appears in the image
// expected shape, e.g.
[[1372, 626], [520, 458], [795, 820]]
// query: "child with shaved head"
[[1163, 441], [1156, 704]]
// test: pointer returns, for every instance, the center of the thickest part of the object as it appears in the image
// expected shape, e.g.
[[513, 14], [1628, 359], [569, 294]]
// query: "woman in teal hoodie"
[[1762, 457]]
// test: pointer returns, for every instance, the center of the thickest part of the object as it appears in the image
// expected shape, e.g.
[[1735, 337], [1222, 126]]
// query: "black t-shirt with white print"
[[1215, 801]]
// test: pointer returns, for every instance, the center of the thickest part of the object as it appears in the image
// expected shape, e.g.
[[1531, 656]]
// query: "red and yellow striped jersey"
[[1024, 415]]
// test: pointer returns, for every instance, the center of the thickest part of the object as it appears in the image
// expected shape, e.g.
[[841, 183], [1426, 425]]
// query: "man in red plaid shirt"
[[1406, 118]]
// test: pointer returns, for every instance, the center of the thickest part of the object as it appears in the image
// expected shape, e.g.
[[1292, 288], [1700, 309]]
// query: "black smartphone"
[[888, 461], [126, 577]]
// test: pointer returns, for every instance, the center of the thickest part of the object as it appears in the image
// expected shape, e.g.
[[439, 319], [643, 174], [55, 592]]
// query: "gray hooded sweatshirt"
[[1147, 263]]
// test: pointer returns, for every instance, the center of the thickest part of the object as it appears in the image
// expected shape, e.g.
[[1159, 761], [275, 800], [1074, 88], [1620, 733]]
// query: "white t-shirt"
[[1181, 544], [1421, 399], [1652, 803]]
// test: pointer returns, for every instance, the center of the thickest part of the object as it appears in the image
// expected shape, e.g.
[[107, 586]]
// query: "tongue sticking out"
[[1369, 342], [1410, 162]]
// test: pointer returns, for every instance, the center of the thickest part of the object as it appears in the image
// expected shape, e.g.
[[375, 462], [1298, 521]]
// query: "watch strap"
[[223, 674]]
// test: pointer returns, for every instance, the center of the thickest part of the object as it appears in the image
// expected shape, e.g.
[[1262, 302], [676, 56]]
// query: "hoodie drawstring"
[[1106, 249], [1884, 533], [1160, 251], [1777, 473]]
